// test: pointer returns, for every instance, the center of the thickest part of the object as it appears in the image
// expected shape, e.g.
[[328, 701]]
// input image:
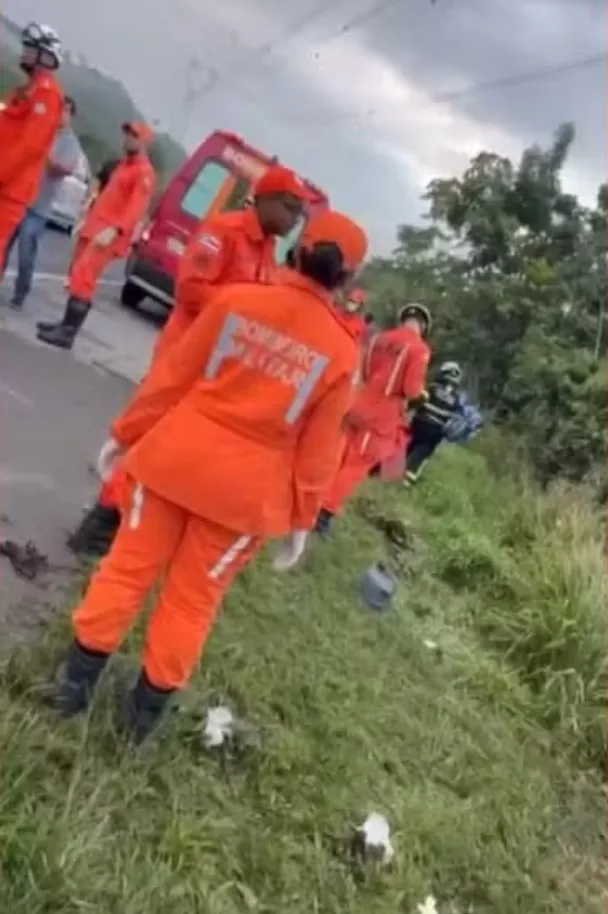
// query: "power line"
[[550, 71], [293, 28], [361, 18], [299, 25], [540, 73]]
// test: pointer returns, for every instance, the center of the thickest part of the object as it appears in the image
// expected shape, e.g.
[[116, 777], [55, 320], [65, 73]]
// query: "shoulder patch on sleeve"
[[210, 243]]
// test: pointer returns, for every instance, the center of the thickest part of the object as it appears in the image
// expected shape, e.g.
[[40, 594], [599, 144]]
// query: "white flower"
[[218, 727], [376, 835], [431, 645], [429, 906]]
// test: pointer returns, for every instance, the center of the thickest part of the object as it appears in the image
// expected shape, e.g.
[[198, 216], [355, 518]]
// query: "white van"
[[66, 208]]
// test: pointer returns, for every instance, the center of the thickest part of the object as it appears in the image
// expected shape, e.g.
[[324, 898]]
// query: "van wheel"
[[131, 296]]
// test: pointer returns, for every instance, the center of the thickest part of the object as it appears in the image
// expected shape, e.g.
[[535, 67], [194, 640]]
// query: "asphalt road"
[[54, 254], [55, 408]]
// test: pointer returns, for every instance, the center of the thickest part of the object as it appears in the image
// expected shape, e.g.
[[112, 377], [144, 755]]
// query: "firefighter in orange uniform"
[[353, 313], [228, 247], [107, 232], [235, 246], [28, 125], [394, 373], [232, 439]]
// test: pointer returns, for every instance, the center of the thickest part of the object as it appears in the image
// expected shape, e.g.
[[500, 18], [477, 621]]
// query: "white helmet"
[[452, 371], [46, 41]]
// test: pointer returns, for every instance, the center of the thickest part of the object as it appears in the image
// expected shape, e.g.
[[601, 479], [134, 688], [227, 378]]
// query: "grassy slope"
[[489, 781]]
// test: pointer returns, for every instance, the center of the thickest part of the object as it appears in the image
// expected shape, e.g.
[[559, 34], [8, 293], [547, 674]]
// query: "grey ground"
[[55, 408]]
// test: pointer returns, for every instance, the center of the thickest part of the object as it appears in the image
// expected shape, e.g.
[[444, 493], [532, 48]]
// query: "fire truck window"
[[284, 244], [199, 197], [238, 197]]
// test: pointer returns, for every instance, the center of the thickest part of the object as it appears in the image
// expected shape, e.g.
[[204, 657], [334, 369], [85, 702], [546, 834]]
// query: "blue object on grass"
[[378, 587]]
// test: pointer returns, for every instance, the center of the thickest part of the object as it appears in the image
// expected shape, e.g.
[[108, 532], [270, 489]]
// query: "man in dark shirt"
[[441, 403]]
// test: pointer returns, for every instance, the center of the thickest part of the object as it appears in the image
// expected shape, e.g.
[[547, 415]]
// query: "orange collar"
[[295, 279], [139, 159], [252, 227]]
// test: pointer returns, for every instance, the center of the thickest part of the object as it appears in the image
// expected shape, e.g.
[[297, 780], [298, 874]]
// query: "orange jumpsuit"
[[121, 205], [395, 370], [28, 125], [356, 324], [232, 439], [227, 248]]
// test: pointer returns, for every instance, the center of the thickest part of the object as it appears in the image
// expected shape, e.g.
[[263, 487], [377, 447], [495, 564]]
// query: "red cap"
[[330, 225], [139, 130], [357, 295], [281, 180]]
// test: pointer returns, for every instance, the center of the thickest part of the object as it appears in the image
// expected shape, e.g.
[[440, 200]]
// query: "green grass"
[[485, 754]]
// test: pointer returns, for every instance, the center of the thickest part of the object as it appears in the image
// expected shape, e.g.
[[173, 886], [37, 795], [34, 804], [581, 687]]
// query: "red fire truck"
[[219, 176]]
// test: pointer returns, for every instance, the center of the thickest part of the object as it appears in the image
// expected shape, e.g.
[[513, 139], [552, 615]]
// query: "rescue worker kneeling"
[[231, 441]]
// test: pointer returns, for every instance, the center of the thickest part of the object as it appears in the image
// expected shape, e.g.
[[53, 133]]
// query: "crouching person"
[[231, 440]]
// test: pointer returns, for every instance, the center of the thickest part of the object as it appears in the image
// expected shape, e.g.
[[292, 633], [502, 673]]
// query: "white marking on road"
[[17, 478], [57, 277], [20, 398]]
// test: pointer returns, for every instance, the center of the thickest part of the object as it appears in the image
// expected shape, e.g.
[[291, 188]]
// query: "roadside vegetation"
[[471, 715]]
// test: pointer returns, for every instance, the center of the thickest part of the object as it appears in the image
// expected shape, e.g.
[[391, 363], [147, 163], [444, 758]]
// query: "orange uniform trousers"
[[197, 561], [356, 464], [88, 263], [12, 214]]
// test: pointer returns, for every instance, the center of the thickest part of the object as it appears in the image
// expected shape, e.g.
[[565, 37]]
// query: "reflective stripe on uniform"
[[230, 556]]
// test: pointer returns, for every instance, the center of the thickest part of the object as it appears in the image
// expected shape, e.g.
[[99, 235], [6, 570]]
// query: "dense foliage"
[[514, 270]]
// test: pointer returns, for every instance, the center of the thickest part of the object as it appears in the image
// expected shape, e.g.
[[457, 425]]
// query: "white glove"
[[108, 457], [106, 237], [290, 551]]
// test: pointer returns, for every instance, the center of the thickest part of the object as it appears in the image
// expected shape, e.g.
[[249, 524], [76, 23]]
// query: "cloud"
[[357, 111], [399, 117]]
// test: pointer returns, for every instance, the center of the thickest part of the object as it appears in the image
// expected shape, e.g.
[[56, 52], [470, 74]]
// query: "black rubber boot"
[[95, 534], [324, 522], [77, 679], [46, 326], [143, 710], [62, 335]]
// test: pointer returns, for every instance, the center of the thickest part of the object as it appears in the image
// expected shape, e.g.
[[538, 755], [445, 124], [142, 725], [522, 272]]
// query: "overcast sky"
[[358, 111]]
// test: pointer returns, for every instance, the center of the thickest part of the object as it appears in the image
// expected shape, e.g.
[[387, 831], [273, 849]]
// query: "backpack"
[[466, 424]]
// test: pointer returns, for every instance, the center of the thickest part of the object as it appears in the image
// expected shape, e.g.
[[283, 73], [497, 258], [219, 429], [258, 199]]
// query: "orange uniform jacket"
[[241, 422], [123, 202], [226, 248], [28, 125], [394, 370], [356, 324]]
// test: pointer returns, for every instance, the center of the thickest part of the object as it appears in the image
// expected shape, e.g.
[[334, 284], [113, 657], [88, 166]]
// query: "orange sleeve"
[[318, 452], [136, 205], [169, 381], [414, 375], [37, 135], [205, 264]]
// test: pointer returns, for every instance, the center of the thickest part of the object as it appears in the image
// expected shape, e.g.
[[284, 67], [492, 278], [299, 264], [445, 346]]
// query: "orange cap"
[[139, 130], [281, 180], [347, 234]]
